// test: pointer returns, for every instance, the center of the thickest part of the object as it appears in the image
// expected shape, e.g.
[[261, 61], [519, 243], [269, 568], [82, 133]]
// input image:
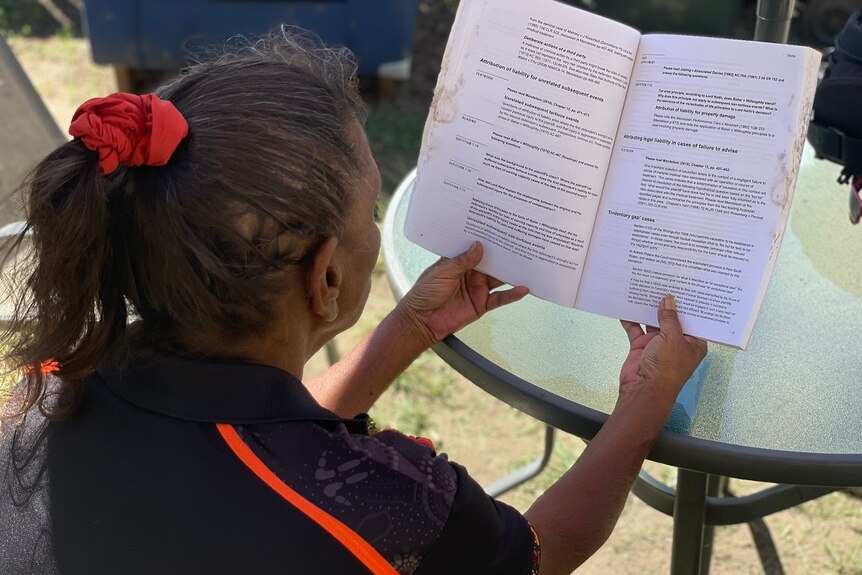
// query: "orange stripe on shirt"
[[360, 548]]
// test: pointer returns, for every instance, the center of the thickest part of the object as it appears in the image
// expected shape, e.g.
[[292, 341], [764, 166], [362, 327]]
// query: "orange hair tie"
[[129, 129], [46, 367]]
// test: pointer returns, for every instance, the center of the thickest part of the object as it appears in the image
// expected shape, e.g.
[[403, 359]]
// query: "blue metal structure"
[[158, 34]]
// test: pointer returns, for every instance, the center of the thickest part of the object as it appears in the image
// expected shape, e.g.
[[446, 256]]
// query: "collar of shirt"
[[218, 392]]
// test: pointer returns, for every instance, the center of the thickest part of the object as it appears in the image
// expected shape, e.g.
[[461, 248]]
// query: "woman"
[[232, 218]]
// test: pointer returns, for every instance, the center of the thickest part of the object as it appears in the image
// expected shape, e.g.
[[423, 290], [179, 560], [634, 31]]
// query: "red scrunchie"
[[129, 129]]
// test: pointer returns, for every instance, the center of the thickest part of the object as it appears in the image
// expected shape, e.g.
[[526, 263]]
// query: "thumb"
[[469, 259], [668, 319]]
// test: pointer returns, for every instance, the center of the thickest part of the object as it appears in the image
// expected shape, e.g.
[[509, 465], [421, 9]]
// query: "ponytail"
[[69, 306]]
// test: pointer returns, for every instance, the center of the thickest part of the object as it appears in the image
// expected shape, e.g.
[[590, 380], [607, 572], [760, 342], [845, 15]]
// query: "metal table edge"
[[677, 450]]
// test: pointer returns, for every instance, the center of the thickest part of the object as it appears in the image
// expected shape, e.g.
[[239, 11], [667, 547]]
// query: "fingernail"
[[669, 302], [473, 247]]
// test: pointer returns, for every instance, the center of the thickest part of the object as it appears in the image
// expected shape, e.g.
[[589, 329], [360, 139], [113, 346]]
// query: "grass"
[[844, 562], [414, 399], [7, 383], [394, 135]]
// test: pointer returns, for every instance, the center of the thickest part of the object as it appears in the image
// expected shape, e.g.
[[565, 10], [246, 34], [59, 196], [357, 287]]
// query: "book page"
[[701, 182], [519, 137]]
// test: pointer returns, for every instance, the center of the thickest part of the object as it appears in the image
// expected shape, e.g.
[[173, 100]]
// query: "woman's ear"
[[323, 280]]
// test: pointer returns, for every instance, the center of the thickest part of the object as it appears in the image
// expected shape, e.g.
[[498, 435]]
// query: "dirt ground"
[[491, 439]]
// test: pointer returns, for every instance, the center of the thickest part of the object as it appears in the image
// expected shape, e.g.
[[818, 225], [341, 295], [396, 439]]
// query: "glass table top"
[[797, 388]]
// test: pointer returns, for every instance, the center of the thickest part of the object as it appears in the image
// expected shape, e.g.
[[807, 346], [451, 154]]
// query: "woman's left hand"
[[451, 294]]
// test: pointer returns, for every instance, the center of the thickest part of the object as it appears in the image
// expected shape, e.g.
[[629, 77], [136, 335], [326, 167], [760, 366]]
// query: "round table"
[[788, 410]]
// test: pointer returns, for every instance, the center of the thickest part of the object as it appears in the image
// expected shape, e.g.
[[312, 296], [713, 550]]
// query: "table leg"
[[721, 508], [332, 355], [526, 472], [716, 486], [689, 512]]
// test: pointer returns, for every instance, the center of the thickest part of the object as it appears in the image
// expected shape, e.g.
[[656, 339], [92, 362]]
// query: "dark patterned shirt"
[[139, 481]]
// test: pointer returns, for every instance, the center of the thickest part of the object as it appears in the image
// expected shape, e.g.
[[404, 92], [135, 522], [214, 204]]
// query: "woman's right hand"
[[594, 491], [661, 359]]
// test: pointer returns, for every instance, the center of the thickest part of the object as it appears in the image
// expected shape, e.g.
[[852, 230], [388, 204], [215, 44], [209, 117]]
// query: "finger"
[[433, 268], [469, 259], [493, 283], [505, 297], [698, 343], [668, 320], [652, 328], [633, 330], [483, 281]]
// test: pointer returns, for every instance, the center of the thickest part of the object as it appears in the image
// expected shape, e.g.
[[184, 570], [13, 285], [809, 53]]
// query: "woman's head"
[[338, 276], [206, 245]]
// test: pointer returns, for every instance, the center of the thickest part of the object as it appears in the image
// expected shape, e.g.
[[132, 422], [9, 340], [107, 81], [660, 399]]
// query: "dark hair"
[[196, 246]]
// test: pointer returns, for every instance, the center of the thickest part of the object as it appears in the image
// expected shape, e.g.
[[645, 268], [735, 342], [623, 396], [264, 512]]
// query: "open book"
[[603, 168]]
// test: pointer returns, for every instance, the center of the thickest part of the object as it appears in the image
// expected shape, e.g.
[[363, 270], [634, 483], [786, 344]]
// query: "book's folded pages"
[[603, 168]]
